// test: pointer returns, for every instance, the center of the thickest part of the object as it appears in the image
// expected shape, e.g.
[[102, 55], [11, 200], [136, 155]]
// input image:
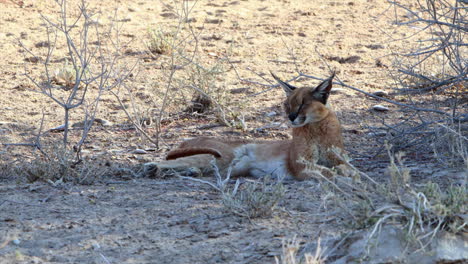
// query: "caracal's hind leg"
[[192, 166]]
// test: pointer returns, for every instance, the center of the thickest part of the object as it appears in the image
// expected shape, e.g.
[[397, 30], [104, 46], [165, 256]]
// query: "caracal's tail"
[[184, 152]]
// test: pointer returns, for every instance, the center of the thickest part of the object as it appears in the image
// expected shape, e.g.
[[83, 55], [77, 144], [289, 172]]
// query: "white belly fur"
[[259, 167]]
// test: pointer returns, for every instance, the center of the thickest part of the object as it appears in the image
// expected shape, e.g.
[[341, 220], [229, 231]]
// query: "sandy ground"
[[121, 219]]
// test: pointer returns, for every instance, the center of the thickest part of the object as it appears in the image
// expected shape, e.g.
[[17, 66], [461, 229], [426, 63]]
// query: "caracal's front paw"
[[161, 170], [150, 169]]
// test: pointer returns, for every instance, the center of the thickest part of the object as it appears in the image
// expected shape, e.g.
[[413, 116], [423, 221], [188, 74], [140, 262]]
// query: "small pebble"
[[380, 93], [377, 134], [139, 151], [96, 246], [380, 108], [337, 90], [57, 129], [103, 122]]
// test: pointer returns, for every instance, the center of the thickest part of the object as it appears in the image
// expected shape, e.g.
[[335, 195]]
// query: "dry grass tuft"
[[65, 75], [256, 199], [422, 211], [290, 249], [450, 146], [160, 42], [57, 166]]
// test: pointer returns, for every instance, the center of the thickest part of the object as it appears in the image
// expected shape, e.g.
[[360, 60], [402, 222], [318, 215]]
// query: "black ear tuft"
[[286, 86], [322, 91]]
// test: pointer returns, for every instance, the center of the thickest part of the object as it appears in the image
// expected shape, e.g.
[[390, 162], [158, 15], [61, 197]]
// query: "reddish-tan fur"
[[316, 130], [184, 152], [324, 135]]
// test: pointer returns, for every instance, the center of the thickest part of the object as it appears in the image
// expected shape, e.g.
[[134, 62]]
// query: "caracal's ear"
[[286, 86], [322, 91]]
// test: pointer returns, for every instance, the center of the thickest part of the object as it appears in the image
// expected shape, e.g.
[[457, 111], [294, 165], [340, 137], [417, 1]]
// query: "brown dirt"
[[170, 220]]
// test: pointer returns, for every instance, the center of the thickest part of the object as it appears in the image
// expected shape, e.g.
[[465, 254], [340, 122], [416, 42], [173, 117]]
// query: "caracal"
[[315, 131]]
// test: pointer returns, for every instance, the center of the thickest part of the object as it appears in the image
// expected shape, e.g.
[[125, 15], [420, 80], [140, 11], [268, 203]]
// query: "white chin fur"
[[309, 119], [297, 125]]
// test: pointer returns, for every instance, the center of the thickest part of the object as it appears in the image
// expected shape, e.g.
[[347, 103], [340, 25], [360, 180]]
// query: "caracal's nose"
[[292, 116]]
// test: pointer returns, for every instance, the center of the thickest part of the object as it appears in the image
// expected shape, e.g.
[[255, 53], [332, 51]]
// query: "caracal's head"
[[306, 105]]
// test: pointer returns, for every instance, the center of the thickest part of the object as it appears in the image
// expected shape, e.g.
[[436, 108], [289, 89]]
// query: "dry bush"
[[191, 81], [430, 73], [82, 61], [437, 62], [422, 210], [209, 92], [91, 65]]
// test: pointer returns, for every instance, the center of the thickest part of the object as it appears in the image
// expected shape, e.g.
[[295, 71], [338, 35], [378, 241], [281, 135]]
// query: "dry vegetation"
[[92, 90]]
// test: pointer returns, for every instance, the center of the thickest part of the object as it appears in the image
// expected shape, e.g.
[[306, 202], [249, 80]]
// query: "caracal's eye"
[[301, 106]]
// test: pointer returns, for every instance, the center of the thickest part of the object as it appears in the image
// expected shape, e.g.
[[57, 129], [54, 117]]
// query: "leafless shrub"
[[431, 72], [439, 61], [82, 61], [90, 67]]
